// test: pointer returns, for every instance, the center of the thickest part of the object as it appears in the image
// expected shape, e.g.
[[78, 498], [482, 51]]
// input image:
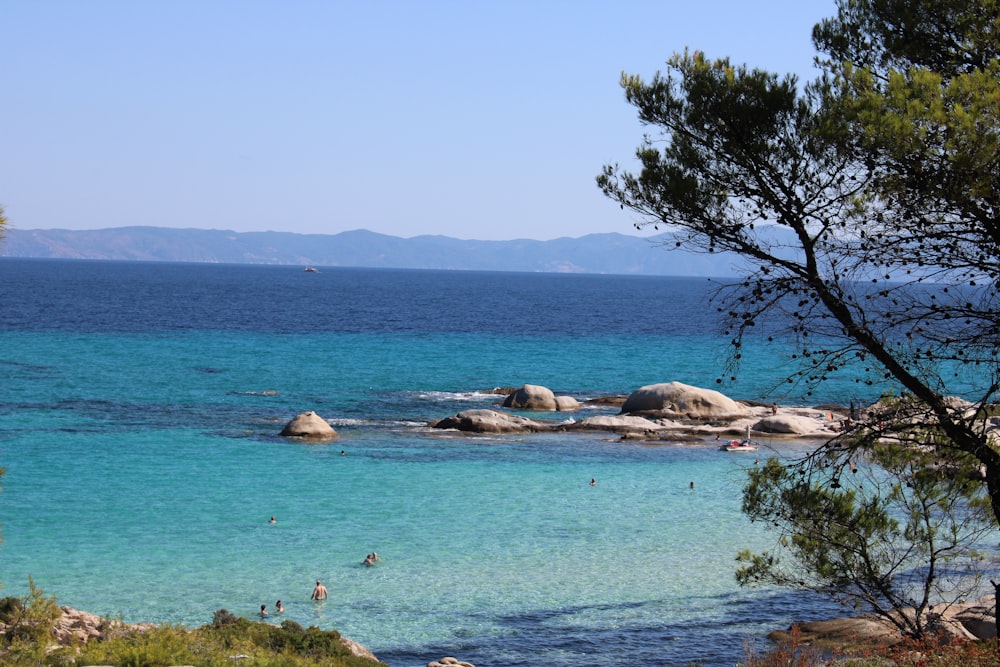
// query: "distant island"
[[610, 253]]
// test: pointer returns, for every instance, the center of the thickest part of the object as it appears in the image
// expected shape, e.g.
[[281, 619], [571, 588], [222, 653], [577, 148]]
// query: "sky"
[[474, 120]]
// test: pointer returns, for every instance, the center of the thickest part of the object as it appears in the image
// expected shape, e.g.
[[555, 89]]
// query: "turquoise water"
[[143, 463]]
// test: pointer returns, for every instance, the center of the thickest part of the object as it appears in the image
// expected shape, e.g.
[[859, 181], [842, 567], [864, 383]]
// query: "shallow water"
[[139, 430]]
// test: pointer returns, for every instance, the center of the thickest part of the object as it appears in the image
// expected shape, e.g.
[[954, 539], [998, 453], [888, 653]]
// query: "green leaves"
[[876, 525]]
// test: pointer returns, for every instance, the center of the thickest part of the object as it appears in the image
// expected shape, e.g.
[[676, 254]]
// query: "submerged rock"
[[490, 421]]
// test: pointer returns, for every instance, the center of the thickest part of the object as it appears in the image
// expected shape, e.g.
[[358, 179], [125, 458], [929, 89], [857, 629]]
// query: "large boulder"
[[790, 425], [309, 425], [490, 421], [840, 633], [978, 620], [536, 397], [567, 404], [677, 400]]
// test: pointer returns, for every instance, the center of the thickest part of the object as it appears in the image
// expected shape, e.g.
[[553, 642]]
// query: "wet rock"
[[309, 425]]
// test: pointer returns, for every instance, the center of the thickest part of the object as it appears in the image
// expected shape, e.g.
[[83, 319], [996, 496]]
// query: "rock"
[[357, 649], [616, 424], [841, 632], [616, 401], [968, 621], [449, 662], [789, 424], [490, 421], [536, 397], [531, 397], [977, 618], [567, 404], [74, 627], [677, 400], [309, 425]]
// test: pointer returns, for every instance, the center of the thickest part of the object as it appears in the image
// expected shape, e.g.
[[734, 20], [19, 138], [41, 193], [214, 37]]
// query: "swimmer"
[[593, 481], [263, 610], [279, 607], [369, 561], [319, 593], [272, 519]]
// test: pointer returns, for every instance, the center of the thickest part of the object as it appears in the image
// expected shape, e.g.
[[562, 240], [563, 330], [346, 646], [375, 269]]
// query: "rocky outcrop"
[[790, 424], [970, 621], [449, 662], [357, 649], [675, 400], [309, 425], [537, 397], [623, 424], [490, 421], [76, 627], [840, 632]]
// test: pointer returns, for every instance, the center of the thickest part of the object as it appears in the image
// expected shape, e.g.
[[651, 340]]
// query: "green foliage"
[[840, 200], [892, 528], [212, 645], [29, 632], [159, 647], [29, 641]]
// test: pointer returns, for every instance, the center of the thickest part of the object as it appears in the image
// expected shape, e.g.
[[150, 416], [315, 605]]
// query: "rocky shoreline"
[[75, 627], [964, 621], [666, 412]]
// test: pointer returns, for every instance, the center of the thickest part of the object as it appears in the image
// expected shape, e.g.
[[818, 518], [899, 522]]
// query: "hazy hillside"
[[594, 253]]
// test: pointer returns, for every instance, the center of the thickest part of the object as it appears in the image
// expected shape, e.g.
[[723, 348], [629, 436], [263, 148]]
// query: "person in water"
[[593, 481], [279, 607], [272, 519], [263, 610], [319, 593]]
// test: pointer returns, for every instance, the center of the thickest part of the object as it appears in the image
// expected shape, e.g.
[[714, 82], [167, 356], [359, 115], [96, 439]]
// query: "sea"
[[140, 413]]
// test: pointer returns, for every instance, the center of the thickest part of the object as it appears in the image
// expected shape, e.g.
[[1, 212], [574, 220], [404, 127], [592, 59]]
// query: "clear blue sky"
[[476, 119]]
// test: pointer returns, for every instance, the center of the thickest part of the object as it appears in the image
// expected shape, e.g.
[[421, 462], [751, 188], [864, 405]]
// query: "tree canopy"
[[844, 198], [863, 208]]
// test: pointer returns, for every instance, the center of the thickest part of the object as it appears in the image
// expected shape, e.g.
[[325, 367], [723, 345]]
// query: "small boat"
[[744, 445], [310, 269]]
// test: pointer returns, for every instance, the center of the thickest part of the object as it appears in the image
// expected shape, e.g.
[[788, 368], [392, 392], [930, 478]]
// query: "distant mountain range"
[[594, 253]]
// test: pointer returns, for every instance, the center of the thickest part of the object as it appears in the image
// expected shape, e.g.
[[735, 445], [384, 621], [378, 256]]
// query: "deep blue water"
[[139, 422]]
